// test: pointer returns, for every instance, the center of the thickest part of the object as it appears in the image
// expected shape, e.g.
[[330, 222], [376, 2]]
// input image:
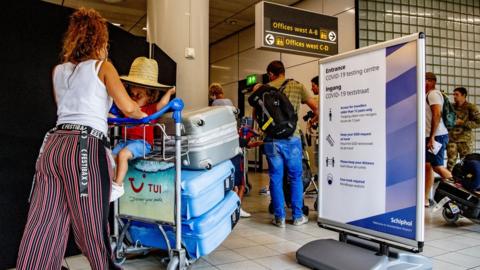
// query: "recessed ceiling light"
[[231, 22], [117, 24], [144, 28]]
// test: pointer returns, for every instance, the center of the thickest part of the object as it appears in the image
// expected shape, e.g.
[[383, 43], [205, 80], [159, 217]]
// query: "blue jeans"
[[288, 153], [137, 147]]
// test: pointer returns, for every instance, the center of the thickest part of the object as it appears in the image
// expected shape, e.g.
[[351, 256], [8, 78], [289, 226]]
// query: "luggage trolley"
[[246, 134], [460, 197], [311, 140], [125, 216]]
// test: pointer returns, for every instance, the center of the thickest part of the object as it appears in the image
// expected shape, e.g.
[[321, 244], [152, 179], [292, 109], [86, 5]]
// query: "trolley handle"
[[176, 105]]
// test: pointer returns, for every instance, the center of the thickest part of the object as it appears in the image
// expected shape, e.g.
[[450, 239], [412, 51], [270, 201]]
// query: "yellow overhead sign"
[[287, 29]]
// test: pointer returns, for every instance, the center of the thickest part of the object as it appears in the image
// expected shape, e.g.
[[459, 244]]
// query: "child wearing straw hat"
[[144, 89]]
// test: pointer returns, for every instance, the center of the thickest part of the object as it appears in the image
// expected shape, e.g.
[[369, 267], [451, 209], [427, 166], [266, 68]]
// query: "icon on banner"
[[332, 36], [269, 38], [329, 178], [330, 115], [279, 41], [330, 162], [330, 140], [323, 35]]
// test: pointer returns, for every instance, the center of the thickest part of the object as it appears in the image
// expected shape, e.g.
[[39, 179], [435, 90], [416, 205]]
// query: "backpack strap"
[[284, 85]]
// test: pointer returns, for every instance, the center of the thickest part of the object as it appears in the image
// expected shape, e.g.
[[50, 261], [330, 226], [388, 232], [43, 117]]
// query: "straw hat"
[[143, 72]]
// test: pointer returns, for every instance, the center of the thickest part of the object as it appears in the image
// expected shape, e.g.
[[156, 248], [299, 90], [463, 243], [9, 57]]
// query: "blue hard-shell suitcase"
[[200, 236], [202, 190]]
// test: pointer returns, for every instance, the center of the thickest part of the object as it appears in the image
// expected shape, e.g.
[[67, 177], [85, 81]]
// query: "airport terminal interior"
[[256, 244], [214, 41]]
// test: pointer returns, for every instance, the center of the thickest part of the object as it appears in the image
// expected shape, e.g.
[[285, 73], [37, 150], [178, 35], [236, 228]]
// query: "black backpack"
[[274, 111]]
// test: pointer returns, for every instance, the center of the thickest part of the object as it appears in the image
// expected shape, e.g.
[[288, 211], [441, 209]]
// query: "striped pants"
[[56, 205]]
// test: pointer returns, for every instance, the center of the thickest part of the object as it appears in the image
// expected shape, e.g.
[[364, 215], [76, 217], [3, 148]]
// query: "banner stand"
[[372, 158], [325, 254]]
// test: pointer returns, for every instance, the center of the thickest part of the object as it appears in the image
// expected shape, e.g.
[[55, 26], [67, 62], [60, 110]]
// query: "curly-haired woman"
[[73, 170]]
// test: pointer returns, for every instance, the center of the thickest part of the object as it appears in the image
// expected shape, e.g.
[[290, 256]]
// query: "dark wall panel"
[[30, 48]]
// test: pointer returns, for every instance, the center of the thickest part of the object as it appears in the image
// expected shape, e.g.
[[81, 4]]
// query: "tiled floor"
[[255, 244]]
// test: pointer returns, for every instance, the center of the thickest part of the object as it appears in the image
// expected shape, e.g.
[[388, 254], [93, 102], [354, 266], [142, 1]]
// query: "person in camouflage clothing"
[[461, 136]]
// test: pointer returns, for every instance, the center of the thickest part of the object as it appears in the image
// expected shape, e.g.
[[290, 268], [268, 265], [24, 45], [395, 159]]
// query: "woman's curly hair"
[[86, 36]]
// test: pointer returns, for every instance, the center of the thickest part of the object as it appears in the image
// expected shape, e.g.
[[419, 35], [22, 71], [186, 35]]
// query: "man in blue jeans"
[[287, 152]]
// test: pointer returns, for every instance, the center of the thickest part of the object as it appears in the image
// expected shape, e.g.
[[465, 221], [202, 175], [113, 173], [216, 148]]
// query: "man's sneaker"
[[300, 221], [244, 213], [279, 222], [117, 192], [264, 191]]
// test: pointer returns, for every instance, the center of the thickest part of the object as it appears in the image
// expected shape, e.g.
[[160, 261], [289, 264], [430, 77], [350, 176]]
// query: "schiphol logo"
[[401, 222]]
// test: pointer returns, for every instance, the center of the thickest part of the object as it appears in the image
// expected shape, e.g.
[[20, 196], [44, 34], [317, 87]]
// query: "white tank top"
[[82, 98]]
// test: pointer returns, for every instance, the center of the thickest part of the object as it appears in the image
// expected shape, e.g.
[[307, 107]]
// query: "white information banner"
[[354, 153], [371, 140]]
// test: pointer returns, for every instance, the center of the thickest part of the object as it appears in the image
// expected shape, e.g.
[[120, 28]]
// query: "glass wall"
[[453, 37]]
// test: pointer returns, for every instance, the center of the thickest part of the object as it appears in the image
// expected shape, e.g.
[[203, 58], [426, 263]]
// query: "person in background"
[[460, 137], [144, 88], [74, 168], [287, 153], [435, 131], [240, 183], [314, 82], [313, 122], [217, 95]]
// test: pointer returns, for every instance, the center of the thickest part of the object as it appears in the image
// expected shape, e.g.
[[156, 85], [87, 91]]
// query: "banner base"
[[332, 254]]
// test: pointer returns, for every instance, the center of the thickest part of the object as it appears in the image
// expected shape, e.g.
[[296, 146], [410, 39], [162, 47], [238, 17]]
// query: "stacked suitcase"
[[211, 134], [210, 209]]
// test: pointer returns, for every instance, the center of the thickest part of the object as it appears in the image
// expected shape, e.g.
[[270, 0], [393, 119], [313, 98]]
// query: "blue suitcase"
[[202, 190], [200, 236]]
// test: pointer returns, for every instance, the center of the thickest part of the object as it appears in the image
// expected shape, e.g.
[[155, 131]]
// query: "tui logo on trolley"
[[150, 192], [132, 184], [151, 187]]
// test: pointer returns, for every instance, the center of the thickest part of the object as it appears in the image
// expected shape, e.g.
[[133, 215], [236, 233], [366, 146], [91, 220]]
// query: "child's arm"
[[165, 99]]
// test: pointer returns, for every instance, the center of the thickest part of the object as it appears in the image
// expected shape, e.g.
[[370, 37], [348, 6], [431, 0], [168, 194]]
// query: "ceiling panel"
[[226, 16], [130, 14], [230, 16]]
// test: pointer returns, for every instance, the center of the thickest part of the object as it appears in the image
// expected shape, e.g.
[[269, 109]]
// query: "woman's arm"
[[108, 74], [53, 87]]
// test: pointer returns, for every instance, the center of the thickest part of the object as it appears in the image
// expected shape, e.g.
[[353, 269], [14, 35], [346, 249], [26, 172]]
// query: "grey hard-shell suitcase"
[[211, 134]]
